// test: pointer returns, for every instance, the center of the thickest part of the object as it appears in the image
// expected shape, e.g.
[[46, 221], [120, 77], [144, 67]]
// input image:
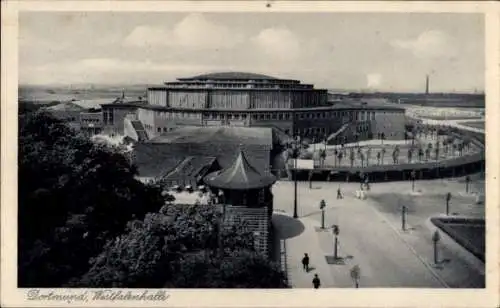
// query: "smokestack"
[[427, 84]]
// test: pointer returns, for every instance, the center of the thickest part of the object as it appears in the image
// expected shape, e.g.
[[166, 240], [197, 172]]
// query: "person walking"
[[305, 262], [316, 282], [339, 193]]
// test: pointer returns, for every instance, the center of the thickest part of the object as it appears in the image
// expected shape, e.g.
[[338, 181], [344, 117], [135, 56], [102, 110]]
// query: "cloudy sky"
[[333, 50]]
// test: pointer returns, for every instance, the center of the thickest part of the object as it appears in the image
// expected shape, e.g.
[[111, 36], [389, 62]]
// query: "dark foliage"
[[74, 195], [179, 247]]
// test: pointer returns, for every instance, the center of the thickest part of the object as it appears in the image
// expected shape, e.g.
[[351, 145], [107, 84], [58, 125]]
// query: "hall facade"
[[251, 100]]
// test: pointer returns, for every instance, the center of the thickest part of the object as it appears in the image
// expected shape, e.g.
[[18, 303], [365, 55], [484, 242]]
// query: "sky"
[[354, 51]]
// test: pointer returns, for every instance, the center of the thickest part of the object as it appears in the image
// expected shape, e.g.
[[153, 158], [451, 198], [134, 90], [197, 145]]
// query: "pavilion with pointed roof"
[[241, 183], [245, 193]]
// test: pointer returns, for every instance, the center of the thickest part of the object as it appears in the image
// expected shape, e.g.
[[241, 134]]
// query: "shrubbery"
[[85, 221]]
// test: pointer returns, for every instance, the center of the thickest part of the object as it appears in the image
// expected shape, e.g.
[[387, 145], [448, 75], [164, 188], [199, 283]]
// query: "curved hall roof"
[[230, 76], [239, 176]]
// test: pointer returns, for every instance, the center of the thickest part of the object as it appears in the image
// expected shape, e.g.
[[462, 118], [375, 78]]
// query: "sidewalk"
[[296, 245]]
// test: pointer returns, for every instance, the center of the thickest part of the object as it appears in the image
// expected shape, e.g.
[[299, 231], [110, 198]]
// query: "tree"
[[420, 154], [179, 247], [436, 152], [322, 156], [74, 195], [351, 156]]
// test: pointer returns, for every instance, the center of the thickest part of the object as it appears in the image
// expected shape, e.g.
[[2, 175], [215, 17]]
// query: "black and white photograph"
[[250, 150]]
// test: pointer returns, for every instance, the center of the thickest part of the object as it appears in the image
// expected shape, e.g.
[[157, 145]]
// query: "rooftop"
[[230, 76], [240, 175], [350, 104], [192, 166], [67, 106], [196, 134]]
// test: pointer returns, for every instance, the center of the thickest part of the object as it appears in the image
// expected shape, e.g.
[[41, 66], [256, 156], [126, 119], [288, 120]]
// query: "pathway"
[[371, 239]]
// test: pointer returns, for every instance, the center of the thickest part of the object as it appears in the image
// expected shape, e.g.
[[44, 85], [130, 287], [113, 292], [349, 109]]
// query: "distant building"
[[67, 112], [251, 100]]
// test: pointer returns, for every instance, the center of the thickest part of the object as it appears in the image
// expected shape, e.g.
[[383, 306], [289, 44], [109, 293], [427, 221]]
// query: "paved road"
[[367, 236]]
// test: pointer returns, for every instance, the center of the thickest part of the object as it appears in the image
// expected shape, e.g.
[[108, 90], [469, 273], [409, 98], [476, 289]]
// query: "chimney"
[[427, 84]]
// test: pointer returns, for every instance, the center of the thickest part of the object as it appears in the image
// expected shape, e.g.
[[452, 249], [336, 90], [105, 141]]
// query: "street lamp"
[[295, 151], [404, 211], [355, 274], [322, 206], [448, 198], [435, 239], [335, 230], [413, 175]]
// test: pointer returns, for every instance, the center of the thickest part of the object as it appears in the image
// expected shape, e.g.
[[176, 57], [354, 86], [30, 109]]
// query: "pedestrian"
[[316, 282], [339, 193], [305, 262]]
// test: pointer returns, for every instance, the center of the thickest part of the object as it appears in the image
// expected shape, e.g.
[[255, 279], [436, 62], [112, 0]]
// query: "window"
[[236, 116], [164, 129], [280, 116], [268, 116], [301, 115], [287, 116], [261, 116], [159, 129], [243, 116], [274, 116], [255, 116]]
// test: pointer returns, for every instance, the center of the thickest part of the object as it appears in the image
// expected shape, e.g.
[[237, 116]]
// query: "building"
[[252, 100], [160, 154], [91, 122], [245, 194], [67, 112]]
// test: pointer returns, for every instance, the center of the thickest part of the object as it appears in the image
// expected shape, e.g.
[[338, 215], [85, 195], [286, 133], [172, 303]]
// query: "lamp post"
[[295, 215], [355, 274], [435, 239], [335, 230], [413, 175], [404, 211], [322, 206], [448, 198]]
